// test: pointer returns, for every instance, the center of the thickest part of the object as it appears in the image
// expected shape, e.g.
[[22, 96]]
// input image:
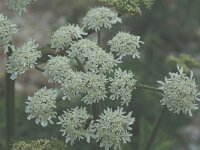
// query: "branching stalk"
[[148, 87], [10, 105]]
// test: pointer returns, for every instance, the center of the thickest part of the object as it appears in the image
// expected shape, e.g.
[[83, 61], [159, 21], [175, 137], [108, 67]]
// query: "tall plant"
[[85, 70]]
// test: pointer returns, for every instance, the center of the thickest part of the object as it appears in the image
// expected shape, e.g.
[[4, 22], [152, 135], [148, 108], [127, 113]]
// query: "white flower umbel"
[[81, 49], [113, 128], [73, 86], [42, 106], [75, 125], [122, 86], [180, 92], [124, 44], [22, 59], [94, 57], [7, 29], [64, 36], [100, 17], [57, 69], [95, 88], [100, 62], [18, 5]]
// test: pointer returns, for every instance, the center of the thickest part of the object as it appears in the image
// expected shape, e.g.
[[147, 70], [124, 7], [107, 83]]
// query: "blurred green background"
[[170, 29]]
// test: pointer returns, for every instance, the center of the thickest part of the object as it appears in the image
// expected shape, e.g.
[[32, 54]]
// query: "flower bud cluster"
[[81, 49], [42, 106], [73, 125], [180, 92], [57, 69], [122, 86], [124, 44], [7, 29], [64, 36], [112, 128], [100, 17], [95, 88], [22, 59], [73, 86], [96, 60], [100, 62]]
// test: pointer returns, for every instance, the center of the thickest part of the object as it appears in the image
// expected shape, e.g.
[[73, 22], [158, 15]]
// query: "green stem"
[[80, 65], [94, 106], [94, 110], [10, 105], [155, 129], [148, 87], [99, 37], [39, 69]]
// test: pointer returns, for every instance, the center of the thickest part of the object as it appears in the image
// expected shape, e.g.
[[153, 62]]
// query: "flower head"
[[95, 88], [100, 17], [82, 48], [73, 125], [7, 29], [125, 44], [112, 129], [58, 69], [94, 57], [122, 85], [180, 92], [73, 86], [23, 58], [65, 35], [18, 5], [42, 106], [100, 62]]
